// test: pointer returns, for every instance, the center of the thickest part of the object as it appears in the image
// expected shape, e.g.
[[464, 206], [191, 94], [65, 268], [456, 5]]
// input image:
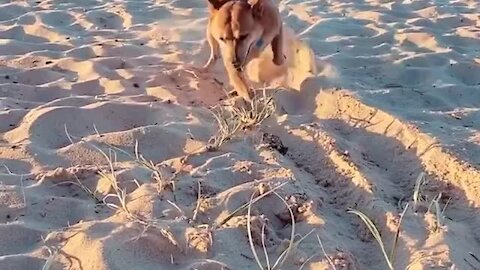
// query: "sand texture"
[[105, 125]]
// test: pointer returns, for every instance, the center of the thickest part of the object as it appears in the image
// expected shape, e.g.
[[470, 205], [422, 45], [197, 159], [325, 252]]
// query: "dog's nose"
[[237, 65]]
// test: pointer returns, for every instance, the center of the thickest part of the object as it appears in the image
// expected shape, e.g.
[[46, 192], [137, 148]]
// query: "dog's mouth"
[[239, 65]]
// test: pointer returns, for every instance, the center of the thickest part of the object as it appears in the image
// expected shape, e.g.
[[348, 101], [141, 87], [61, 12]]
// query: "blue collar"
[[259, 43]]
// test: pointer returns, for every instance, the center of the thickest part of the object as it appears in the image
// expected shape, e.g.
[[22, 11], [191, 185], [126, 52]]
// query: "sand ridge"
[[379, 92]]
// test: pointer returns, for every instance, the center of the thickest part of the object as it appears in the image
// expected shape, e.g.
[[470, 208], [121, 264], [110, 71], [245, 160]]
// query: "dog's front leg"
[[214, 51], [277, 49], [238, 81]]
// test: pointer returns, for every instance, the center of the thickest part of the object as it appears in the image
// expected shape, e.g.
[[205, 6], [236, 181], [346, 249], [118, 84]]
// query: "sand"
[[375, 94]]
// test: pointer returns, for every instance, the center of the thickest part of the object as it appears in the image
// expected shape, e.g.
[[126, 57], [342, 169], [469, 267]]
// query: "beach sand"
[[375, 93]]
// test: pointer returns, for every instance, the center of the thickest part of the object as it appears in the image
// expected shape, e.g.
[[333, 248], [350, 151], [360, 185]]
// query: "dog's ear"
[[216, 4], [257, 7]]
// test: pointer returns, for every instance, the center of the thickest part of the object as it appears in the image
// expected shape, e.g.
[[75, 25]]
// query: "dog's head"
[[235, 26]]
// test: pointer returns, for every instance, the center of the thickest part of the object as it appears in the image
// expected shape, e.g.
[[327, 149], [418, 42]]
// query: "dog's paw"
[[279, 60]]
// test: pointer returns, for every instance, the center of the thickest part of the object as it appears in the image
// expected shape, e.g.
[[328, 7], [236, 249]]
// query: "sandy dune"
[[379, 92]]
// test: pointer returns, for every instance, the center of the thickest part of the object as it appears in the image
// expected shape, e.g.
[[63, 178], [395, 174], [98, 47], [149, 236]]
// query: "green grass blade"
[[393, 254], [376, 234]]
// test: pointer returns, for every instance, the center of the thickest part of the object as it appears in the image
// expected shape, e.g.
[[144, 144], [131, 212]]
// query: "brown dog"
[[239, 30]]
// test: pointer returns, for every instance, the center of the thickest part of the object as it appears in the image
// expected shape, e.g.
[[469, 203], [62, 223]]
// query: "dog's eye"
[[242, 37], [222, 39]]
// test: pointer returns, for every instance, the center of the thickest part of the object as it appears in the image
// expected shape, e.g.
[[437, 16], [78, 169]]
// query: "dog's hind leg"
[[277, 49]]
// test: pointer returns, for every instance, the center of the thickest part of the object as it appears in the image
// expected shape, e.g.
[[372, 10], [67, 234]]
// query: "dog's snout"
[[237, 65]]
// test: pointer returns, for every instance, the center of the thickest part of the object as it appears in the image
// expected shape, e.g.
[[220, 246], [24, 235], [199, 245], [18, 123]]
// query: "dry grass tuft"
[[234, 119], [284, 255]]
